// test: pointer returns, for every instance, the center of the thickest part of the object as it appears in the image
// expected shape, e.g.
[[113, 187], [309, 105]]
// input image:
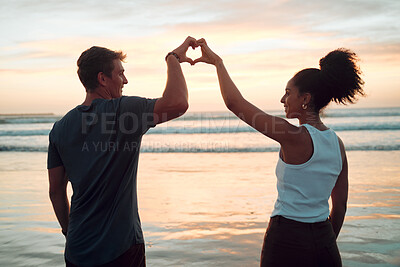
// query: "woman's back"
[[304, 189]]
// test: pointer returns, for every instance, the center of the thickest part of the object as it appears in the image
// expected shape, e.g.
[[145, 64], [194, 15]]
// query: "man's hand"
[[182, 49]]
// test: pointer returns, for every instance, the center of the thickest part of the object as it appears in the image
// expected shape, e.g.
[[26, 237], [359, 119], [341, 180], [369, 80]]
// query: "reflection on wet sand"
[[205, 244], [208, 230], [221, 216], [203, 209]]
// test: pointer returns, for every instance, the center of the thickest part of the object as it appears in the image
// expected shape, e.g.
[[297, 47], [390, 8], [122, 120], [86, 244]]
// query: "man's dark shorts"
[[133, 257]]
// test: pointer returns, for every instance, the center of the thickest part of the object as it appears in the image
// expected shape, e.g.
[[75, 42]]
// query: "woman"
[[312, 165]]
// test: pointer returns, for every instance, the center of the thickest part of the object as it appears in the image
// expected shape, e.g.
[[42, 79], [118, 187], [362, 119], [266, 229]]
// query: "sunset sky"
[[263, 43]]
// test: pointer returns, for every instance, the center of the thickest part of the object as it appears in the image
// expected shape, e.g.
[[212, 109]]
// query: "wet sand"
[[203, 209]]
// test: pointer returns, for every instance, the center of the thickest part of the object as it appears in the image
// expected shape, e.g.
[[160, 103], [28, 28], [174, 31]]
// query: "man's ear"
[[101, 79]]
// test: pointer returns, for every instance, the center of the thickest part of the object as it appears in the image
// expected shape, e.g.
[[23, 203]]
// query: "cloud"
[[263, 43]]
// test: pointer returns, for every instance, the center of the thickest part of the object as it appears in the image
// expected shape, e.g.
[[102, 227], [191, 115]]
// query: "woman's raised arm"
[[274, 127]]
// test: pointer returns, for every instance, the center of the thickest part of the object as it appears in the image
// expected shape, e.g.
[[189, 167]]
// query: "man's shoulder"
[[59, 123], [124, 102], [137, 101], [133, 98]]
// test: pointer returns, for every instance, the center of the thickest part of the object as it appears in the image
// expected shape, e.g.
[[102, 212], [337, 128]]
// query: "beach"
[[203, 209]]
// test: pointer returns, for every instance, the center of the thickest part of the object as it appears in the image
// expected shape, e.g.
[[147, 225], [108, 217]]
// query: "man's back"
[[98, 145]]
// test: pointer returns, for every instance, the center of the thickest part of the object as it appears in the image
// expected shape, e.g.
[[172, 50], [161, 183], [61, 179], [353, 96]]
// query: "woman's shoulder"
[[301, 149]]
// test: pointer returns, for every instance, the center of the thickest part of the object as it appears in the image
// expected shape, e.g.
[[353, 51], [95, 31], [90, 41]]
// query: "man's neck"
[[90, 96]]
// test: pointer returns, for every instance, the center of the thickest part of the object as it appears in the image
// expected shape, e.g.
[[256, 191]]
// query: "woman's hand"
[[207, 55], [182, 49]]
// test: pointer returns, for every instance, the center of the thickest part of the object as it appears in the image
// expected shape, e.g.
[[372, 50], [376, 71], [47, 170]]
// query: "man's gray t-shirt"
[[98, 145]]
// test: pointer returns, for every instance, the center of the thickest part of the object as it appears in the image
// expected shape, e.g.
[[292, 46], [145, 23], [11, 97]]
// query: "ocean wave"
[[5, 148], [195, 149], [330, 113], [205, 116], [248, 129], [215, 116], [27, 120], [218, 130], [357, 113], [24, 132], [366, 127]]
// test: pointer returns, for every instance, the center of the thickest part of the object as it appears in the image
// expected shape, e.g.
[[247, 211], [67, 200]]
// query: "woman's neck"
[[312, 119]]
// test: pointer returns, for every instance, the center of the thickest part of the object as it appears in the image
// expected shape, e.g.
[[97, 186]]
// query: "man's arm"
[[174, 101], [58, 196]]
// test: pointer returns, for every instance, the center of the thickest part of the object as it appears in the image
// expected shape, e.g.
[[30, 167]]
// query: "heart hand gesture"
[[207, 55]]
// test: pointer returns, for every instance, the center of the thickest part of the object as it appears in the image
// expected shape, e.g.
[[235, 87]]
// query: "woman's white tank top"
[[304, 189]]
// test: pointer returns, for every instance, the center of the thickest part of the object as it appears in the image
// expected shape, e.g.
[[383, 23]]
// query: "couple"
[[102, 225]]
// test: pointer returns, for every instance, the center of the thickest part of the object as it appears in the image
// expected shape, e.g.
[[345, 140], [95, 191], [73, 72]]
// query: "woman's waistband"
[[280, 219]]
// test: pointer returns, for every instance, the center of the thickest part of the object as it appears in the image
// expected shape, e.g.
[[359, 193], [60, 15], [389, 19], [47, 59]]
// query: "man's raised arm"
[[174, 101]]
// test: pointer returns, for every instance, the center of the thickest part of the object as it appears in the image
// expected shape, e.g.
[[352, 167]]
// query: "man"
[[96, 146]]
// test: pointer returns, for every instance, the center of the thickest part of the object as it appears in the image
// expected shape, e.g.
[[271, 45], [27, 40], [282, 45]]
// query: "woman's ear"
[[101, 79], [307, 98]]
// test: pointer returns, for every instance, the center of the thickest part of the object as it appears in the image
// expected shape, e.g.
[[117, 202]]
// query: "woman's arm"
[[339, 195], [274, 127]]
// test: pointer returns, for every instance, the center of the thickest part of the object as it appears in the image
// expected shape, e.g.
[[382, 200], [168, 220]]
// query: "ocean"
[[216, 132], [206, 188]]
